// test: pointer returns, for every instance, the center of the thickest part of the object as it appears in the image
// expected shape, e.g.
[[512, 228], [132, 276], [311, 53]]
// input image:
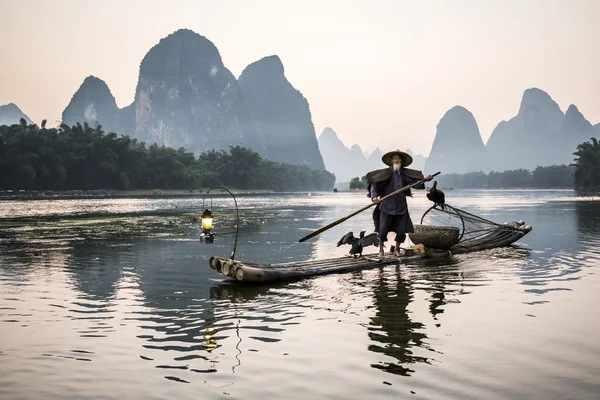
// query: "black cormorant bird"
[[371, 239], [360, 242], [437, 196], [349, 238]]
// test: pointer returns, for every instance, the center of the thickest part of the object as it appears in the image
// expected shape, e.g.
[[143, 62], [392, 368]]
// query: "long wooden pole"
[[339, 221]]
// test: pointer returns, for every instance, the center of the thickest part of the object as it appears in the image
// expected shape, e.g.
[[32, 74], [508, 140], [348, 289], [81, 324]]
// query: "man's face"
[[396, 159]]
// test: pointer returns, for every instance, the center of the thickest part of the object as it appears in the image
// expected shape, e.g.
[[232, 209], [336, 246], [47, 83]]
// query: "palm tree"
[[587, 165]]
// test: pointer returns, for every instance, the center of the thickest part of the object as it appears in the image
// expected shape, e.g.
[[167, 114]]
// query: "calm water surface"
[[114, 299]]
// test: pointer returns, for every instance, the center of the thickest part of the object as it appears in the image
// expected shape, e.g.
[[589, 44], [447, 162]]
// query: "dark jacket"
[[381, 178]]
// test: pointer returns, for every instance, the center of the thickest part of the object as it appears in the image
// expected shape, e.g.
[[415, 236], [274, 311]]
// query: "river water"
[[114, 299]]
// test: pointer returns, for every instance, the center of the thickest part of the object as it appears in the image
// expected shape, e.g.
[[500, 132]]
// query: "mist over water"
[[113, 298]]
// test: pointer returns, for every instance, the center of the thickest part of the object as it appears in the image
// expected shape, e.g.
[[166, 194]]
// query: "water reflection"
[[588, 223], [267, 234], [187, 315], [253, 314], [161, 285], [392, 330], [588, 219], [144, 308], [190, 324], [235, 292], [96, 269], [555, 259], [438, 277]]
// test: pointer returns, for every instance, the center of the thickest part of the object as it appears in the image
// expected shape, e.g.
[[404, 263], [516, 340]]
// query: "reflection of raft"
[[504, 235]]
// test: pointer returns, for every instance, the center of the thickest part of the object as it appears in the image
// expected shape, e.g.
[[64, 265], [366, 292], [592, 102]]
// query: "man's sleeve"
[[420, 185], [412, 176], [374, 191]]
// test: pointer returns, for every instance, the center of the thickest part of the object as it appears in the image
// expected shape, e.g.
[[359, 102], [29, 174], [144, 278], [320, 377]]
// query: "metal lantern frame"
[[209, 235]]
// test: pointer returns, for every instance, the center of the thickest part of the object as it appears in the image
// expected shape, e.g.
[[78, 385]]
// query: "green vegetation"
[[85, 158], [584, 173], [356, 183], [114, 227], [556, 176], [587, 165]]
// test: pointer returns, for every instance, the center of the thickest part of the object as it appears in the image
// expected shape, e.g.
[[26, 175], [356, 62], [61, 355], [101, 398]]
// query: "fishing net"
[[445, 227], [469, 226]]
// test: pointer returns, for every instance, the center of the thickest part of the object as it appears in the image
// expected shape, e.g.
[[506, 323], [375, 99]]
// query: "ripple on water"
[[85, 300]]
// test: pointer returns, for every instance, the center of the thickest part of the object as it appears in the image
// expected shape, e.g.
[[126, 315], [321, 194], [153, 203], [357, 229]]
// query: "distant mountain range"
[[347, 163], [539, 135], [186, 97], [11, 114]]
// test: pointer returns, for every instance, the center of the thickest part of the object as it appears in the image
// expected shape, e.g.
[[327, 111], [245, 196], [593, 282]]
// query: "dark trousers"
[[399, 224]]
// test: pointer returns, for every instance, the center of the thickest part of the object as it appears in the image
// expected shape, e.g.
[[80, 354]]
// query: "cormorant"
[[437, 196], [371, 239], [348, 238], [360, 242]]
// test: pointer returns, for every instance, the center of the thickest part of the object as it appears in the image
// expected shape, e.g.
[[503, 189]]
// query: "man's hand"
[[429, 177], [375, 200]]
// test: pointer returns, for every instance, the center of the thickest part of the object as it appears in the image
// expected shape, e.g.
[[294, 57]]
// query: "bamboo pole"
[[339, 221]]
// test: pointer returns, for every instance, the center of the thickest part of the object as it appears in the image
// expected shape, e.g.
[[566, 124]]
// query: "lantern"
[[207, 223], [207, 220]]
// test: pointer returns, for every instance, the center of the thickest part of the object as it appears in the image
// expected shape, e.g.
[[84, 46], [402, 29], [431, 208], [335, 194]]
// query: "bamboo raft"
[[262, 273]]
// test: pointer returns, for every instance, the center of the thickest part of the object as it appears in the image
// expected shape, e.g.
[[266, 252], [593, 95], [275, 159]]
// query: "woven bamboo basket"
[[435, 237]]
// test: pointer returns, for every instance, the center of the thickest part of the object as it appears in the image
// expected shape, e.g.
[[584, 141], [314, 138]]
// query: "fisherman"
[[391, 214]]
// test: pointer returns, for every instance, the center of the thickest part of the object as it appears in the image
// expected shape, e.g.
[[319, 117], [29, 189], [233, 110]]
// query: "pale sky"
[[380, 73]]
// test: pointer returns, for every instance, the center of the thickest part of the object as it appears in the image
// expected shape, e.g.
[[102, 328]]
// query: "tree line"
[[582, 174], [555, 176], [80, 157]]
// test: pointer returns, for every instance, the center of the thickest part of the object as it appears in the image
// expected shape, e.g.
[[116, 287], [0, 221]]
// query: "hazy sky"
[[380, 73]]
